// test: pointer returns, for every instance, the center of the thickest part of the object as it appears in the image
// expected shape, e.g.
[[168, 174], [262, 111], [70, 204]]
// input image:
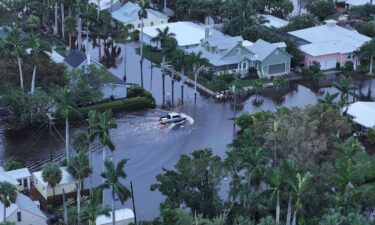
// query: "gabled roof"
[[362, 113], [262, 49], [25, 203], [75, 58], [129, 13], [19, 173], [67, 178]]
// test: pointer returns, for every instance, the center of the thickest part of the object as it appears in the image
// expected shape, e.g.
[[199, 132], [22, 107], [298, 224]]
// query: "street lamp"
[[183, 80]]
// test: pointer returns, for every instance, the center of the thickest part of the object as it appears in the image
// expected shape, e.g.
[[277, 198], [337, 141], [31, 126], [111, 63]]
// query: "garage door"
[[329, 64], [277, 68]]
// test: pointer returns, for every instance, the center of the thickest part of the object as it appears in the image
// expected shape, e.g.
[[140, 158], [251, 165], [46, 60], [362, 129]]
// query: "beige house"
[[23, 212], [67, 183], [128, 14]]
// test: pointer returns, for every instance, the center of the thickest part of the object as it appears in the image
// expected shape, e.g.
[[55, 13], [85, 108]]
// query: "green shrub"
[[138, 91], [348, 66], [370, 136], [338, 65], [127, 104], [12, 165]]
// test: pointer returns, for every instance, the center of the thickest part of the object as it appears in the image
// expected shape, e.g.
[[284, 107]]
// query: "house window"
[[162, 21], [350, 56], [152, 23], [19, 217], [244, 65]]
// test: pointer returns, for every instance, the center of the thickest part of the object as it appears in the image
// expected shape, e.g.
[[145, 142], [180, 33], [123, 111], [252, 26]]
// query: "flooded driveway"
[[148, 146]]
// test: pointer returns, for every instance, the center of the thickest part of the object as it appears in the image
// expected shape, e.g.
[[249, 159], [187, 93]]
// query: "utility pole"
[[133, 202], [234, 109], [50, 123], [195, 81]]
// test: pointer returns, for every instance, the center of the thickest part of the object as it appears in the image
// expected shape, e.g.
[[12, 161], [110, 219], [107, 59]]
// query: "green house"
[[228, 55]]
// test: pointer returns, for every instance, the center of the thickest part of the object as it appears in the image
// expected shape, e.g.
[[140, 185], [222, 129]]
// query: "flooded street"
[[148, 146]]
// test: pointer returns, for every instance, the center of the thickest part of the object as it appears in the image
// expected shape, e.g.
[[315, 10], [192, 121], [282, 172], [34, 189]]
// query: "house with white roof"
[[128, 14], [273, 21], [67, 183], [122, 217], [20, 178], [330, 44], [351, 3], [187, 34], [362, 113], [227, 54], [104, 4], [23, 212]]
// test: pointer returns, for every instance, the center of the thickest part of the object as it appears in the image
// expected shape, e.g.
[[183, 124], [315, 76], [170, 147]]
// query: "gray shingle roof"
[[262, 49], [75, 58]]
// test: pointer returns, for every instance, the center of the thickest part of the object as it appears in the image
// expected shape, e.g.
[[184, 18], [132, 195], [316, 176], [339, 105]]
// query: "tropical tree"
[[142, 14], [8, 195], [79, 168], [258, 86], [32, 23], [14, 43], [322, 9], [274, 177], [93, 209], [64, 98], [70, 26], [81, 141], [105, 122], [346, 88], [112, 176], [366, 53], [38, 48], [162, 38], [52, 175], [299, 186], [123, 35]]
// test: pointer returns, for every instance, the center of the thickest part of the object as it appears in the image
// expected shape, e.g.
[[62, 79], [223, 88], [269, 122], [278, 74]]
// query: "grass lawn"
[[152, 55]]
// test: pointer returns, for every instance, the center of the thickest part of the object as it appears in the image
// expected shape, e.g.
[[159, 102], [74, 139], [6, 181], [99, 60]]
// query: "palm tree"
[[52, 175], [8, 195], [38, 47], [142, 14], [93, 208], [79, 168], [290, 170], [64, 98], [124, 32], [112, 176], [162, 37], [275, 182], [258, 86], [367, 51], [346, 88], [299, 187], [15, 45], [32, 23], [70, 24], [105, 123], [55, 27], [92, 132], [329, 99]]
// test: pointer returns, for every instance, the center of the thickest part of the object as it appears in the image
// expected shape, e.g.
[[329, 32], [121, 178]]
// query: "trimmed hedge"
[[127, 104]]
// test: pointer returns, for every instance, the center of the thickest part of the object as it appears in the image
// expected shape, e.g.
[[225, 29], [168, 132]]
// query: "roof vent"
[[206, 32], [331, 22]]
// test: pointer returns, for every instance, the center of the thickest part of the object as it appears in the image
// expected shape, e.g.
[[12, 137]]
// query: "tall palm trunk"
[[125, 59], [33, 80], [62, 20], [113, 208], [90, 165], [100, 48], [79, 38], [70, 41], [294, 222], [103, 170], [289, 213], [278, 210], [141, 62], [55, 27], [163, 64], [371, 64], [54, 195], [79, 201], [67, 153], [4, 212], [163, 78], [172, 90], [20, 71]]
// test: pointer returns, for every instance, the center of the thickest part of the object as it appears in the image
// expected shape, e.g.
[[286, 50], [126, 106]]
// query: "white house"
[[19, 178], [351, 3], [187, 34], [362, 113], [67, 183], [123, 217], [273, 21], [330, 44], [23, 212], [103, 4], [128, 14]]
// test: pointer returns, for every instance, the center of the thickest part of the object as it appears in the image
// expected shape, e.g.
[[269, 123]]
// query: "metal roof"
[[274, 21], [121, 214], [362, 113], [67, 178], [129, 13]]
